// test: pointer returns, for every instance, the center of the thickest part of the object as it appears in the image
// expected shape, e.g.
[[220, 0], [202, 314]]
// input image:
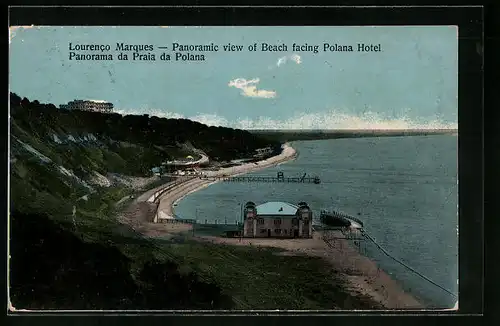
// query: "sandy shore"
[[361, 275], [139, 214], [165, 209]]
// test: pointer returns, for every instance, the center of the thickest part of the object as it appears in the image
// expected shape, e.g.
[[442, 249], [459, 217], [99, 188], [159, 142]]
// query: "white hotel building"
[[89, 105]]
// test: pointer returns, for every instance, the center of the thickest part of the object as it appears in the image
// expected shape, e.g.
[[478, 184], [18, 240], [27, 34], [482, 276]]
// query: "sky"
[[411, 83]]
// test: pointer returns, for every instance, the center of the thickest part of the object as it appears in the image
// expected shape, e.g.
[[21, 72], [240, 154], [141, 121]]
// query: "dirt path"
[[139, 215]]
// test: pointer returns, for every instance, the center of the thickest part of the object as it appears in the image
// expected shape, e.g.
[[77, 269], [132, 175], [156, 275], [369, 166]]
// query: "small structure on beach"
[[277, 220]]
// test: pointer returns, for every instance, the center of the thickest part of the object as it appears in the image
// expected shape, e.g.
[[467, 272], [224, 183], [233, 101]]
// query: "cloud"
[[211, 120], [281, 61], [249, 88], [294, 57], [151, 112], [333, 119]]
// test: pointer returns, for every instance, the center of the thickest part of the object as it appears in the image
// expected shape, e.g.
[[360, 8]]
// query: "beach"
[[157, 219], [165, 207], [359, 274]]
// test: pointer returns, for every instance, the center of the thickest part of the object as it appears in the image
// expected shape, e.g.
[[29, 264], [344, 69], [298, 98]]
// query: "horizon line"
[[344, 129]]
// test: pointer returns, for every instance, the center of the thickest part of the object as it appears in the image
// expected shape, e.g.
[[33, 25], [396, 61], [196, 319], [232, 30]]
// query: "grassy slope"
[[258, 278], [89, 261]]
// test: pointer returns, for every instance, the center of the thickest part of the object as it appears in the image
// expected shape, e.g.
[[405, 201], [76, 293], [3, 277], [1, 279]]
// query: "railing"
[[176, 221], [315, 180], [168, 187]]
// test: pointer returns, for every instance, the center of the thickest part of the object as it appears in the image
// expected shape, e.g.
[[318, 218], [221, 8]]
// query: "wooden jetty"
[[279, 178]]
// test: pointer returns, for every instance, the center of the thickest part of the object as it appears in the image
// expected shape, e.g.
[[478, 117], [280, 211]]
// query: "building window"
[[277, 221], [285, 231], [262, 231], [294, 221], [260, 221], [306, 222], [277, 231]]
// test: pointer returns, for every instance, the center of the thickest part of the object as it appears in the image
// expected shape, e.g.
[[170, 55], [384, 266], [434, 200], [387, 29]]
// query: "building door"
[[296, 233], [269, 232]]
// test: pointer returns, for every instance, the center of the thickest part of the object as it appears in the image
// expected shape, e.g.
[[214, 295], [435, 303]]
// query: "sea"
[[404, 189]]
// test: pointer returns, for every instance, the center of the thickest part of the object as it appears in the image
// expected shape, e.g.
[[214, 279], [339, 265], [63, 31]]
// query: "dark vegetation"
[[262, 278], [86, 259], [52, 268], [150, 140], [89, 261]]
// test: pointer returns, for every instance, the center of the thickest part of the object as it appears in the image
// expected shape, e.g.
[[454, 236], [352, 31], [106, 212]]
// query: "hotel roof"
[[276, 208], [98, 101]]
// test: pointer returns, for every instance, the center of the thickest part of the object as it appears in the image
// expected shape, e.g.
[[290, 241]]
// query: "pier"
[[334, 218], [279, 178]]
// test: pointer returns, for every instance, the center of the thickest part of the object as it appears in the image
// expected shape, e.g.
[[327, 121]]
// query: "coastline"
[[165, 206], [138, 214], [358, 273]]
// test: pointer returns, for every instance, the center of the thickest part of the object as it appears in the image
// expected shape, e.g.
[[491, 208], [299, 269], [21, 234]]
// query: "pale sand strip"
[[138, 216], [176, 194]]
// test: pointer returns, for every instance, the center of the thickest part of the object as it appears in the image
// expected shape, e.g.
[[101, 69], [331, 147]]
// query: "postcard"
[[199, 168]]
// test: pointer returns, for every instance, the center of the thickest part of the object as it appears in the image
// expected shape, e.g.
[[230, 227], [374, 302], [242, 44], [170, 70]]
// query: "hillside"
[[70, 172], [293, 135], [68, 169], [59, 156], [154, 139]]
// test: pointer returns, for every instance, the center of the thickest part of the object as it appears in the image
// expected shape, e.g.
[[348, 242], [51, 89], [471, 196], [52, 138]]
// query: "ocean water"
[[404, 189]]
